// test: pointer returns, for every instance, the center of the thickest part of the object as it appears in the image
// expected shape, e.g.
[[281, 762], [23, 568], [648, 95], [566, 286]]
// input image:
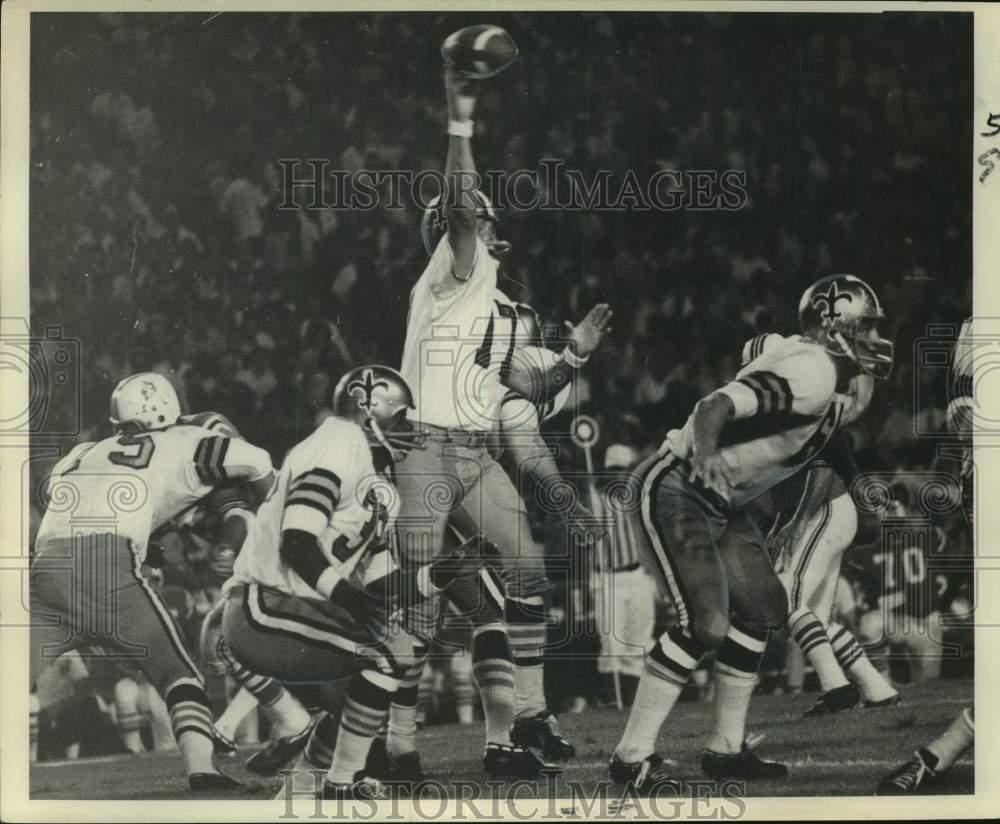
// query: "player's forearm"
[[301, 552], [534, 383], [710, 417], [537, 471]]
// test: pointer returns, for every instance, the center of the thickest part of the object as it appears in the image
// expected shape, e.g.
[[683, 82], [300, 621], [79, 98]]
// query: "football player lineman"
[[458, 357], [301, 605], [741, 440], [814, 521], [105, 500]]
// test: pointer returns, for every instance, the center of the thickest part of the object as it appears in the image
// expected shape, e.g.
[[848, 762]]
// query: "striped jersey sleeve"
[[318, 482], [793, 380], [218, 459]]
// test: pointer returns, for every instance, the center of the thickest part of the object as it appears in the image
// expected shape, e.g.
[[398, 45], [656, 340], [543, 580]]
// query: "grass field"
[[839, 755]]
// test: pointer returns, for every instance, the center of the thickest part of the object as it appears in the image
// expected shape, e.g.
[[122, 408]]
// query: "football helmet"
[[841, 312], [434, 224], [146, 400], [376, 398]]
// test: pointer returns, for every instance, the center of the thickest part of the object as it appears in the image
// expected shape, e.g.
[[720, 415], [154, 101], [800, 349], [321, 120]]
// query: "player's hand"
[[465, 559], [587, 335], [223, 560], [461, 94], [712, 472], [357, 599]]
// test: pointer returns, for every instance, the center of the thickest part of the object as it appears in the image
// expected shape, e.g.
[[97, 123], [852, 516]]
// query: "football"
[[479, 52]]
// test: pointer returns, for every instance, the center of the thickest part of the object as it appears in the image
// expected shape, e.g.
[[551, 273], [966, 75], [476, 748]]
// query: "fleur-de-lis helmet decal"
[[377, 398], [841, 312], [364, 389], [828, 301]]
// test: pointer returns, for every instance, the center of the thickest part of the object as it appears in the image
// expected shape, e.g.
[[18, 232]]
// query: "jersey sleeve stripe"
[[306, 500], [321, 497], [318, 480], [209, 459], [751, 383], [773, 391]]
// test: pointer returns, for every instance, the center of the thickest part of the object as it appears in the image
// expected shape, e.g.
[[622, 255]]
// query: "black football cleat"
[[744, 764], [377, 763], [206, 782], [404, 771], [222, 745], [512, 761], [915, 777], [836, 700], [278, 753], [891, 701], [649, 776], [361, 789], [541, 731]]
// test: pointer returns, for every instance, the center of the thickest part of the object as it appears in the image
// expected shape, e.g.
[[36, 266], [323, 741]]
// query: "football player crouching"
[[301, 606]]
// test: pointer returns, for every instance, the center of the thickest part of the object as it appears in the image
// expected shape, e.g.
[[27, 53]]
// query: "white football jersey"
[[327, 486], [786, 408], [133, 483], [859, 391], [458, 346]]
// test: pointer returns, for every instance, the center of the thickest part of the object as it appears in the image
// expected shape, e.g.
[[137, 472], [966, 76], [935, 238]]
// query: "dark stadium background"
[[853, 131]]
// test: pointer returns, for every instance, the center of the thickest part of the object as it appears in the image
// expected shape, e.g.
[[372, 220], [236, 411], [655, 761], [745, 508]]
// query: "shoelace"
[[912, 776]]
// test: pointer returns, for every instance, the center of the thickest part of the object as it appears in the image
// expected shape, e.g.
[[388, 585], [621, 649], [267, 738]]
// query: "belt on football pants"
[[459, 437]]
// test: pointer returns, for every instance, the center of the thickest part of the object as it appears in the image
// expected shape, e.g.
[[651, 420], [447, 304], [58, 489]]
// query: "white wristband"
[[460, 128], [425, 585], [572, 358]]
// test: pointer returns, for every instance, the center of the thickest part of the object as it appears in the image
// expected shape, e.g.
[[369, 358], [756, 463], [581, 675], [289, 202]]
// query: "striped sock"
[[365, 710], [318, 753], [854, 661], [812, 639], [402, 737], [463, 686], [236, 710], [956, 740], [494, 673], [266, 690], [736, 666], [425, 693], [283, 708], [669, 665], [191, 721], [526, 630]]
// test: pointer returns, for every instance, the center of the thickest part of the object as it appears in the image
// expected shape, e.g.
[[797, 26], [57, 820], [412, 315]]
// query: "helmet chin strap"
[[397, 455], [847, 350]]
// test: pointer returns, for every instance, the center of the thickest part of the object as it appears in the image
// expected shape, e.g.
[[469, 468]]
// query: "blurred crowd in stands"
[[157, 241]]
